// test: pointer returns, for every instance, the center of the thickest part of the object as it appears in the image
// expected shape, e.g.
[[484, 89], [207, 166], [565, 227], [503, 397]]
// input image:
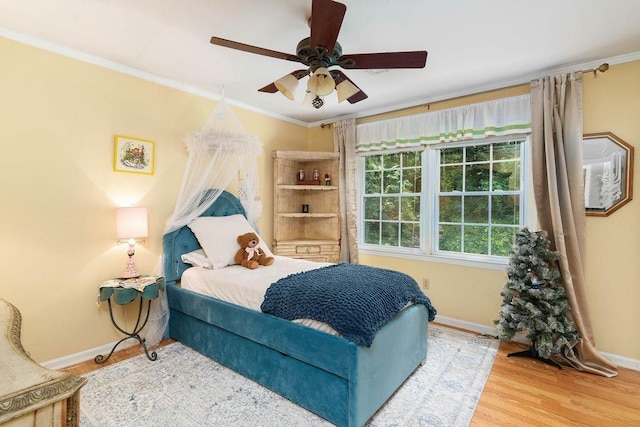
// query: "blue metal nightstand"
[[125, 291]]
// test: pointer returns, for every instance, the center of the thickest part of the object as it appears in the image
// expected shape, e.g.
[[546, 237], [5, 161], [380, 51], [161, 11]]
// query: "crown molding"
[[502, 84], [101, 62]]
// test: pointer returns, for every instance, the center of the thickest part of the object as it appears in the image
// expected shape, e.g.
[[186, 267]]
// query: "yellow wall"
[[58, 117], [611, 104], [321, 139]]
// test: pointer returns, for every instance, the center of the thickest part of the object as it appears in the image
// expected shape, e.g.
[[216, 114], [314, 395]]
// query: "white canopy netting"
[[217, 155], [221, 152]]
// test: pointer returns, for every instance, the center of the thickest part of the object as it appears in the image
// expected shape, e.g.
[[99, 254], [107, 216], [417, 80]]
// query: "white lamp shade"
[[287, 85], [321, 83], [131, 223], [346, 90]]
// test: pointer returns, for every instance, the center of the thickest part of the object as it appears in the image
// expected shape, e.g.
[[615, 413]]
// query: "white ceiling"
[[473, 45]]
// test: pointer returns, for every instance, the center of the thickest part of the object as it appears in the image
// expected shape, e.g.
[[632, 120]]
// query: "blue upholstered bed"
[[327, 374]]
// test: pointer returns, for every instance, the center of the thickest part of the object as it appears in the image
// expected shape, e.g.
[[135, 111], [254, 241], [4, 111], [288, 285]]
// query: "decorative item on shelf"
[[327, 179], [315, 178], [131, 223], [305, 208]]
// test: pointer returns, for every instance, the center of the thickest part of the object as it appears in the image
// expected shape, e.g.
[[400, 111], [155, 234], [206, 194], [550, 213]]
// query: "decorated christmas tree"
[[534, 299]]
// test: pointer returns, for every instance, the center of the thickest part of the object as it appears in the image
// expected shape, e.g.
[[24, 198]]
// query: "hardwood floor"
[[120, 355], [525, 392]]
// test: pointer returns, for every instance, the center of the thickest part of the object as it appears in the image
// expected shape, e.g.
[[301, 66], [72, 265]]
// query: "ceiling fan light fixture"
[[321, 51], [287, 85], [346, 90], [317, 102], [321, 83]]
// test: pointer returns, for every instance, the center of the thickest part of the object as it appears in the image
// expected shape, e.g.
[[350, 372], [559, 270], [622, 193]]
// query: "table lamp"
[[131, 223]]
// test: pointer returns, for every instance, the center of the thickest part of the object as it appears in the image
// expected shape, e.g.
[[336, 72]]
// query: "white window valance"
[[508, 116]]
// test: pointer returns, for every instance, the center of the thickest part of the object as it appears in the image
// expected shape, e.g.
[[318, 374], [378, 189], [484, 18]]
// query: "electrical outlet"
[[425, 283]]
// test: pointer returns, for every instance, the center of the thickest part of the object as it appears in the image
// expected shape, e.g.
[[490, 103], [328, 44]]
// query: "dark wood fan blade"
[[413, 59], [326, 20], [357, 97], [298, 74], [253, 49], [339, 76], [271, 88]]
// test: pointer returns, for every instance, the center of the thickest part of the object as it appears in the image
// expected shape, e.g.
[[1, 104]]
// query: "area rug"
[[185, 388]]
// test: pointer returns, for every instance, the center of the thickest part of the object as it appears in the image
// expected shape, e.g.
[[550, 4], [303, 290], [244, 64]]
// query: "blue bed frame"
[[326, 374]]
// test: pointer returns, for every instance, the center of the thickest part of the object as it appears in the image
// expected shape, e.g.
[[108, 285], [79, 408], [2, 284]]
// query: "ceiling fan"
[[322, 51]]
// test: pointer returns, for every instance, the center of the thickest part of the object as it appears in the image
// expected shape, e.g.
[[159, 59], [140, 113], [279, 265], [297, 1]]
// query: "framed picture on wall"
[[133, 155]]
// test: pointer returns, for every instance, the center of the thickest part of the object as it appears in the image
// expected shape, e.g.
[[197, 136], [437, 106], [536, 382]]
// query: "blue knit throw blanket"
[[355, 300]]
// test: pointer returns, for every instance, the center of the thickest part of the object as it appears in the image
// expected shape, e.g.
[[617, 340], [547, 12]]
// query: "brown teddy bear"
[[250, 255]]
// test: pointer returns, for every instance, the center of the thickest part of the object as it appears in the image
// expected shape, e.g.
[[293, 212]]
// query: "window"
[[391, 203], [479, 196], [451, 200]]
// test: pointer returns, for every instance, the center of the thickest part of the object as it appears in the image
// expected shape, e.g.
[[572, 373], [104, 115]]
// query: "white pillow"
[[218, 236], [197, 258]]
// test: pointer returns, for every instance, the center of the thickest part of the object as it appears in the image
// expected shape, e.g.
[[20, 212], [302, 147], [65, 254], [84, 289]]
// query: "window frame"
[[361, 208], [428, 202]]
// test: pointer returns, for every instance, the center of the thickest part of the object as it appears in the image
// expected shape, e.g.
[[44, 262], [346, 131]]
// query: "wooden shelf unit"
[[315, 234]]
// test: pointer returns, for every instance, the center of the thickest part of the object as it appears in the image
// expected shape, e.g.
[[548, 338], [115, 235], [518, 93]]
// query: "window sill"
[[498, 264]]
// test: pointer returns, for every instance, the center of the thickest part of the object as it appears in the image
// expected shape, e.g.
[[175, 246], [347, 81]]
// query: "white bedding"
[[242, 286]]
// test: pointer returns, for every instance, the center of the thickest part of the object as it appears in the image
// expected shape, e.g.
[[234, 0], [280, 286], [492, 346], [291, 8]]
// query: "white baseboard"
[[83, 356], [621, 361]]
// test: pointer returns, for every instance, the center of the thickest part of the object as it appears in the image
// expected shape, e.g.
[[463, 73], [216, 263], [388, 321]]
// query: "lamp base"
[[127, 275], [130, 271]]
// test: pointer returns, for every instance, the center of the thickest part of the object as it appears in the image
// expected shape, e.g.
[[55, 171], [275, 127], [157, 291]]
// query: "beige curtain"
[[344, 142], [556, 104]]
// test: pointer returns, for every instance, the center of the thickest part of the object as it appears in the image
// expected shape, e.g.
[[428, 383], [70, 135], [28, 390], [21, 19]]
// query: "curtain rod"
[[601, 68]]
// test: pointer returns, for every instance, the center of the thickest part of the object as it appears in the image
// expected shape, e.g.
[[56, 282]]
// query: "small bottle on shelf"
[[300, 175], [327, 179], [316, 175]]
